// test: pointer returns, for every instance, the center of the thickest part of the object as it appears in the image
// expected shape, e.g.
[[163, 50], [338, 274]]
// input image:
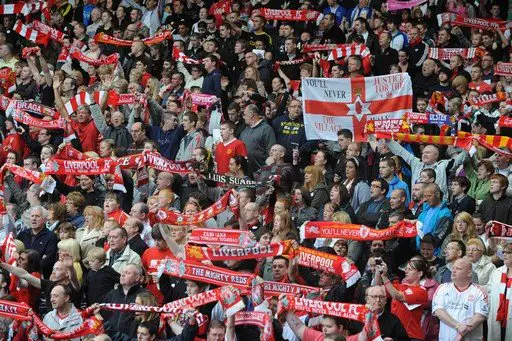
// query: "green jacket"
[[479, 189]]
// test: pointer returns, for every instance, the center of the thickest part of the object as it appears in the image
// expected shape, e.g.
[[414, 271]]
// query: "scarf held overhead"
[[222, 237], [355, 312], [220, 254], [329, 229]]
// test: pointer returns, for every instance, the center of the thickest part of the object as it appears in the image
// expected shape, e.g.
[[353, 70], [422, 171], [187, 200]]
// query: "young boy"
[[101, 278]]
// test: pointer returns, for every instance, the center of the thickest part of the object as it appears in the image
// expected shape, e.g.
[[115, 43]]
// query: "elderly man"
[[134, 228], [460, 305], [141, 211], [390, 326], [39, 238], [139, 138], [128, 289], [276, 165], [119, 253], [64, 317], [258, 137]]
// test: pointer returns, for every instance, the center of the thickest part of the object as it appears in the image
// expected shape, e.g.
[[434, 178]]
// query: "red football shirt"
[[223, 153], [151, 259], [409, 315], [88, 135]]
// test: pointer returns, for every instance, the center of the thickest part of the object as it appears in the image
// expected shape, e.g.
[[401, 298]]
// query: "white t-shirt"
[[462, 306]]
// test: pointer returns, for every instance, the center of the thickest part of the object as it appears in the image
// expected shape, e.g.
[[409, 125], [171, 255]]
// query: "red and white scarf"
[[447, 53], [31, 34], [176, 218], [221, 237], [278, 288], [321, 47], [24, 118], [394, 5], [83, 98], [8, 249], [499, 230], [8, 80], [503, 69], [504, 303], [487, 99], [158, 162], [505, 121], [259, 319], [154, 40], [79, 55], [278, 63], [479, 23], [331, 229], [355, 312], [220, 254], [196, 271], [288, 14], [179, 56], [79, 167], [331, 263], [54, 34], [349, 50]]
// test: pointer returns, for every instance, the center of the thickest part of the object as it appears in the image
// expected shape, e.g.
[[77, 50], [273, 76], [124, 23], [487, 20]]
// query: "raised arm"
[[67, 260], [297, 326], [382, 279], [22, 274], [59, 103], [177, 250], [45, 69]]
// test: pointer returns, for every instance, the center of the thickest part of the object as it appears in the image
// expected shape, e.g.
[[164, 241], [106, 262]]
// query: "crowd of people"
[[212, 89]]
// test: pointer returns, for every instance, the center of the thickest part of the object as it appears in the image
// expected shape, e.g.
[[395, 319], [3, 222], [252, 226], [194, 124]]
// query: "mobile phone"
[[378, 261]]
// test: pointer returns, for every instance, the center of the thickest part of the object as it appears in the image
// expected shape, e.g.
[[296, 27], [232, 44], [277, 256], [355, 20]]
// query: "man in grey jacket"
[[429, 159], [64, 317], [258, 136]]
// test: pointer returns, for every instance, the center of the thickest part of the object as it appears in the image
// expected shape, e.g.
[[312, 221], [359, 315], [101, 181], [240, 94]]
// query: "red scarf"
[[447, 53], [505, 121], [355, 312], [31, 34], [503, 69], [499, 230], [221, 237], [479, 23], [79, 55], [154, 40], [259, 319], [487, 99], [331, 229], [220, 254], [54, 34], [287, 14]]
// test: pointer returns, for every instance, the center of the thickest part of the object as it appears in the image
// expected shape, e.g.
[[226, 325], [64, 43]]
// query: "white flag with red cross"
[[331, 104]]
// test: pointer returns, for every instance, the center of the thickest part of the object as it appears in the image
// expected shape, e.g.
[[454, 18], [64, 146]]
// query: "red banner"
[[287, 14], [219, 254]]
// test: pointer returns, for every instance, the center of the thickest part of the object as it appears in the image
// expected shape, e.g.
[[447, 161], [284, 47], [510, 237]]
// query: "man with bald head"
[[460, 305], [390, 326], [276, 165], [429, 159]]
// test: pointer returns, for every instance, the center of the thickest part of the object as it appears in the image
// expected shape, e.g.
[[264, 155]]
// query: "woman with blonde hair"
[[152, 88], [282, 228], [88, 235], [482, 264], [354, 248], [463, 229], [71, 247], [314, 183], [251, 72]]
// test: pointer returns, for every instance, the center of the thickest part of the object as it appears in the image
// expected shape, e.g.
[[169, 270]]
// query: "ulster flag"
[[331, 104]]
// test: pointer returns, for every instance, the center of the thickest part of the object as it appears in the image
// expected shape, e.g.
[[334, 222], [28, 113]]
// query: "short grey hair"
[[253, 109], [41, 210]]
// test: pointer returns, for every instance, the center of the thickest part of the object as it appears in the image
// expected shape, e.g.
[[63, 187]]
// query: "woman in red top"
[[408, 297], [29, 260]]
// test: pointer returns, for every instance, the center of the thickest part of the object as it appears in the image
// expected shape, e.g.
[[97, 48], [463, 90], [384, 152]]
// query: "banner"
[[176, 218], [277, 288], [289, 14], [394, 5], [447, 53], [499, 230], [355, 312], [331, 104], [222, 237], [196, 271], [332, 229], [231, 180], [503, 69], [220, 254], [330, 263]]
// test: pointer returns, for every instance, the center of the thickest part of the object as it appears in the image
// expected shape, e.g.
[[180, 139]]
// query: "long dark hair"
[[33, 259]]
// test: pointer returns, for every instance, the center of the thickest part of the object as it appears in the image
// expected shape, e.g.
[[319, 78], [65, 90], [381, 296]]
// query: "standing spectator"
[[192, 140], [461, 305], [228, 148], [498, 206]]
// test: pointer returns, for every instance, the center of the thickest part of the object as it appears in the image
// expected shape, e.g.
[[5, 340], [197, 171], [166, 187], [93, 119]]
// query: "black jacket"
[[138, 245], [371, 218], [465, 204], [45, 242], [98, 284], [500, 210], [383, 61], [121, 320]]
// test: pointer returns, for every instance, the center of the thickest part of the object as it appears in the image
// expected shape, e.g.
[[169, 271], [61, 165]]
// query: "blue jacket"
[[45, 242], [436, 222], [289, 133], [168, 141], [211, 83], [396, 183], [338, 14]]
